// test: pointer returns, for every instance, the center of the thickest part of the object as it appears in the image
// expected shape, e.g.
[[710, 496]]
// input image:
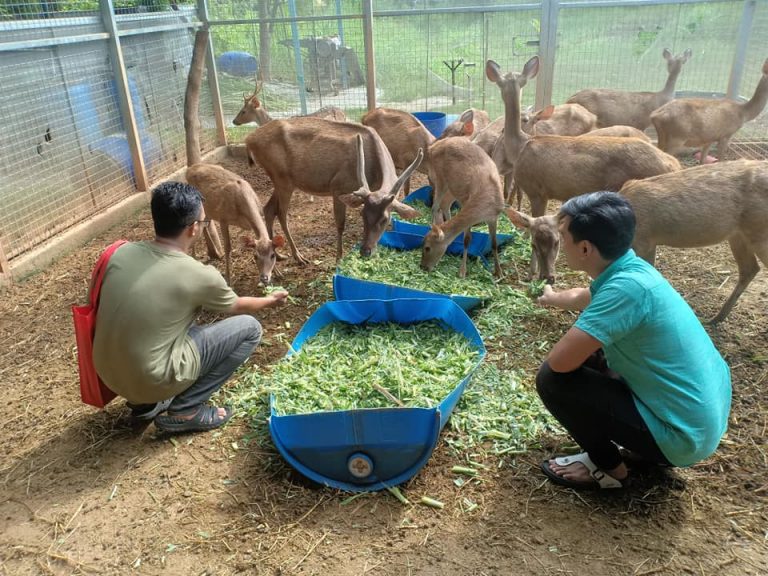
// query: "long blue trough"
[[348, 288], [373, 448], [479, 245]]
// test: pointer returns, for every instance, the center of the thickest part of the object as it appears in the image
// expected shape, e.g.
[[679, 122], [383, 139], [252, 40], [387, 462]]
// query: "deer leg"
[[467, 240], [703, 153], [282, 216], [646, 251], [723, 146], [538, 205], [748, 269], [340, 217], [495, 248], [270, 210], [227, 249], [212, 241]]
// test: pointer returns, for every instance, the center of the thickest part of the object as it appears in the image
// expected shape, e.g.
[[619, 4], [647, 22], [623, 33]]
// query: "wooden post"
[[547, 47], [5, 267]]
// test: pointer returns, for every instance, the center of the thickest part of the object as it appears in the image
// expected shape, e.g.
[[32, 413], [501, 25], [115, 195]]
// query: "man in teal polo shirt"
[[637, 369]]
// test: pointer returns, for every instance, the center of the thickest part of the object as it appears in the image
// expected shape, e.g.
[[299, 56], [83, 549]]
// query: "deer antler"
[[361, 163]]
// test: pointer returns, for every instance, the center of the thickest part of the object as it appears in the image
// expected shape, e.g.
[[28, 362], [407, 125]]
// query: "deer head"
[[252, 110], [377, 205], [264, 254], [434, 248]]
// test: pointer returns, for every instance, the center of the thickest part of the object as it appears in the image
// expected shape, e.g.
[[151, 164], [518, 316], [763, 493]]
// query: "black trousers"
[[598, 410]]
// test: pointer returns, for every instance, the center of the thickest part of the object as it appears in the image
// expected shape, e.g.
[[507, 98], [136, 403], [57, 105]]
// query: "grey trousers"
[[223, 346]]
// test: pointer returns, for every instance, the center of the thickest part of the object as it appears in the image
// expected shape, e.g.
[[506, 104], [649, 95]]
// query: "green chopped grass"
[[346, 367]]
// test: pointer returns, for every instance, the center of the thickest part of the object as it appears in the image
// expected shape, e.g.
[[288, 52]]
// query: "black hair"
[[175, 205], [605, 219]]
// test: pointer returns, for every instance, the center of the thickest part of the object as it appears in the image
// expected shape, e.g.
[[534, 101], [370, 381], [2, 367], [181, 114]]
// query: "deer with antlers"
[[702, 122], [253, 111], [631, 108], [345, 161]]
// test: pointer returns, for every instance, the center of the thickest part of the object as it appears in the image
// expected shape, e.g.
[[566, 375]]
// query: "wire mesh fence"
[[65, 153]]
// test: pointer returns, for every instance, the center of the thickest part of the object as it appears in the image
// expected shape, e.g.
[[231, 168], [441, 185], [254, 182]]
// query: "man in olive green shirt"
[[147, 347]]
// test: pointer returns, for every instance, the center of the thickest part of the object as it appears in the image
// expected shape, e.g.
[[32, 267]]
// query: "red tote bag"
[[92, 389]]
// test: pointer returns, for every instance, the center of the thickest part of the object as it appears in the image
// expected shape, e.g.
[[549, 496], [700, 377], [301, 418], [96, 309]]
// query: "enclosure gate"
[[92, 104]]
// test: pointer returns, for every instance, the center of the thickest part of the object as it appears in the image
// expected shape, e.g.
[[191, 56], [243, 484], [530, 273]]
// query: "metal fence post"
[[124, 94], [550, 10], [740, 55], [297, 55], [213, 77], [370, 61], [5, 268]]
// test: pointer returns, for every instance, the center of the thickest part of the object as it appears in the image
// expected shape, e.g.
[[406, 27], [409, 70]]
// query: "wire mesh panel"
[[64, 152], [62, 157], [300, 68], [158, 66], [752, 140]]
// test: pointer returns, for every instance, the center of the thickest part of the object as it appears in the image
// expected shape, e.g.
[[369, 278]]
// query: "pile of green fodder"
[[346, 367], [504, 226]]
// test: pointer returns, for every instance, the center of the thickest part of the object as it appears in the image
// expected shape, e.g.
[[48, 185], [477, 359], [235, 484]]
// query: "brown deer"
[[469, 123], [619, 131], [545, 242], [562, 120], [345, 161], [561, 167], [403, 136], [229, 199], [253, 111], [487, 139], [702, 122], [702, 206], [461, 171], [631, 108]]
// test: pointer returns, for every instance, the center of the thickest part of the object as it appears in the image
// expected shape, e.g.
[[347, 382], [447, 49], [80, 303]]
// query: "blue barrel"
[[433, 121], [373, 448], [235, 63]]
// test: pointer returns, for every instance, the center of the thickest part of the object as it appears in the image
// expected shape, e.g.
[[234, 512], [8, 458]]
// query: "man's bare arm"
[[251, 304], [573, 299], [572, 350]]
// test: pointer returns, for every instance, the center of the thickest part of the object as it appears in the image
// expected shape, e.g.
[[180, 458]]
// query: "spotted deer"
[[347, 162], [701, 122], [631, 108]]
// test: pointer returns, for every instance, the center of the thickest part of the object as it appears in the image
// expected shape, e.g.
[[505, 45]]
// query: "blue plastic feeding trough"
[[234, 63], [433, 121], [479, 246], [372, 448], [348, 288]]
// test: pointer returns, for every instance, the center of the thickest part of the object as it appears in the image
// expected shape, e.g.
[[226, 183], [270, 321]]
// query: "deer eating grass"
[[345, 161], [631, 108], [229, 199], [702, 206], [253, 111], [461, 171], [701, 122], [561, 167], [545, 242]]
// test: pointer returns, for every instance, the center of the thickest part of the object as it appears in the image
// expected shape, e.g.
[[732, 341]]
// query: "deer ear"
[[278, 241], [248, 242], [518, 218], [467, 116], [531, 67], [492, 71], [352, 200], [765, 66], [546, 113], [666, 54]]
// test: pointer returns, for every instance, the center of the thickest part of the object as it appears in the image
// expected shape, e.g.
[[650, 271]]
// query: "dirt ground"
[[87, 492]]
